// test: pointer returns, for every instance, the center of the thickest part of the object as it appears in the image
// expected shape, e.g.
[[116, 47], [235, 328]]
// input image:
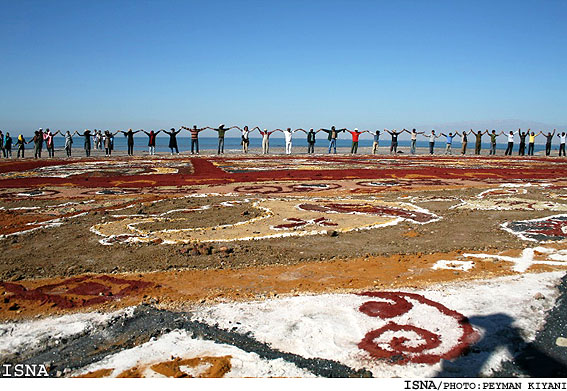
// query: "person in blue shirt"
[[450, 138]]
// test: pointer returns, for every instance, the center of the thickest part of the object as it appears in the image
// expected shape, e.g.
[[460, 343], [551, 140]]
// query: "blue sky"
[[367, 64]]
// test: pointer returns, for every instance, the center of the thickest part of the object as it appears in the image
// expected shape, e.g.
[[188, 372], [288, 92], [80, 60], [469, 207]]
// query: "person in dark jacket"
[[172, 139]]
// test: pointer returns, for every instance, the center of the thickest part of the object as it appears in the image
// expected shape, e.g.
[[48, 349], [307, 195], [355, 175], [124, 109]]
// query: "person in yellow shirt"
[[531, 142]]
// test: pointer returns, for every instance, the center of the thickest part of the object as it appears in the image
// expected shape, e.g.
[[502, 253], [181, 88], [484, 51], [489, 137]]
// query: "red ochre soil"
[[206, 172]]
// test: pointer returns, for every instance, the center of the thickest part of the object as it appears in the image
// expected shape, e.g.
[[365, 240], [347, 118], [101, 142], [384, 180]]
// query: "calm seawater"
[[233, 143]]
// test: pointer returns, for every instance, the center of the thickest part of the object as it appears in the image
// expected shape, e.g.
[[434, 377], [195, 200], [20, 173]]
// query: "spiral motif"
[[380, 343]]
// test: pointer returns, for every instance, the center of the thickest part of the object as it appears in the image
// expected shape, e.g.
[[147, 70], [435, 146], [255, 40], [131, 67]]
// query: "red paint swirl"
[[400, 349]]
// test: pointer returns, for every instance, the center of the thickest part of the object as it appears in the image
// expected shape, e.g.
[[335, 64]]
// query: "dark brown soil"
[[73, 249]]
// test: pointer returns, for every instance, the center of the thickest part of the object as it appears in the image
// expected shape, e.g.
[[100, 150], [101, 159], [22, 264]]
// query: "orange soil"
[[183, 289]]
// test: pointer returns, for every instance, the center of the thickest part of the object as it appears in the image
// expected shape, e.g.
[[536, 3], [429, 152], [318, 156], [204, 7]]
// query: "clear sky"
[[367, 64]]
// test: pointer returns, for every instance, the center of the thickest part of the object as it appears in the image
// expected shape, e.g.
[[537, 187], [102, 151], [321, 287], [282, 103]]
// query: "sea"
[[299, 143]]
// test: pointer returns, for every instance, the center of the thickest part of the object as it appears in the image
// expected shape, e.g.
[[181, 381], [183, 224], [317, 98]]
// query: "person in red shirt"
[[355, 135]]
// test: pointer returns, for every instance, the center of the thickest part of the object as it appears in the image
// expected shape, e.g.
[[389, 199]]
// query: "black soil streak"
[[542, 357], [148, 322]]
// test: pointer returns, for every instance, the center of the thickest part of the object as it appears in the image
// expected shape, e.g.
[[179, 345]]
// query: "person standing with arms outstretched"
[[375, 142], [464, 142], [531, 143], [130, 140], [522, 147], [394, 142], [266, 140], [311, 141], [221, 130], [87, 135], [432, 136], [333, 135], [194, 138], [48, 137], [68, 143], [493, 136], [288, 133], [355, 135], [37, 143], [549, 139], [478, 140], [107, 143], [449, 138], [510, 144], [561, 143], [413, 140], [245, 138], [172, 139], [151, 141]]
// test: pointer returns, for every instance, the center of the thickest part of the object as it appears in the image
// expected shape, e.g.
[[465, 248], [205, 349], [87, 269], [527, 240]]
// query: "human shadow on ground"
[[532, 359]]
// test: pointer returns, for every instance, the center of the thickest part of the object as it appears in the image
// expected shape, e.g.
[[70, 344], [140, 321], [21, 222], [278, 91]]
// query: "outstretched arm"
[[553, 134]]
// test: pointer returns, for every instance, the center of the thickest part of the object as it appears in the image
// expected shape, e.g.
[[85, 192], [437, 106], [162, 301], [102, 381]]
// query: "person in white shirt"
[[510, 143], [561, 143], [414, 134], [288, 133], [245, 137], [432, 136], [266, 140]]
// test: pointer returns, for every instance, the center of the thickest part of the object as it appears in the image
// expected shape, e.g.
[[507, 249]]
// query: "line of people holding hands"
[[105, 140]]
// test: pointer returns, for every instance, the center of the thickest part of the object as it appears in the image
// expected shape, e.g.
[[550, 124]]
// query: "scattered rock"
[[561, 341], [14, 307], [539, 296]]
